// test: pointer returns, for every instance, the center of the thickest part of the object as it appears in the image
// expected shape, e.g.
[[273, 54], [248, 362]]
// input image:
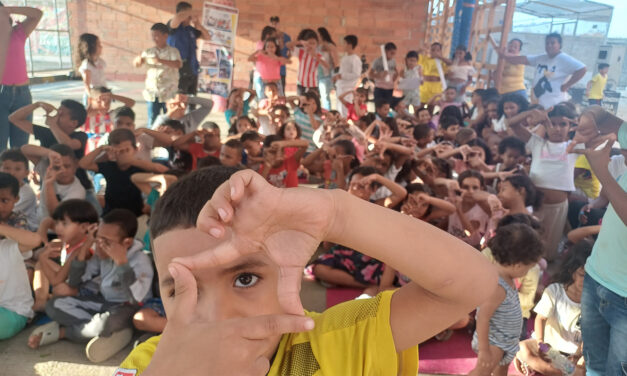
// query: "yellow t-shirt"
[[352, 338], [513, 78], [587, 182], [429, 68], [597, 87]]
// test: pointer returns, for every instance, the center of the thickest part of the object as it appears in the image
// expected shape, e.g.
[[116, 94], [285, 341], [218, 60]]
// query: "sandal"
[[49, 333]]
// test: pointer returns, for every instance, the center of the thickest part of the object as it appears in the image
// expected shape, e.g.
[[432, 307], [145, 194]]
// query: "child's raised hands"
[[250, 215], [593, 123]]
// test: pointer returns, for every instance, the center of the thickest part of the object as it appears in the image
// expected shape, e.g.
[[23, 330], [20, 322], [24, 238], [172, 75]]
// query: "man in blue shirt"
[[185, 29], [283, 38]]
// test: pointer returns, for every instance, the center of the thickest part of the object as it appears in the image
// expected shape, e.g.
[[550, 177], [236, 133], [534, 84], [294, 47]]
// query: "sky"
[[618, 27]]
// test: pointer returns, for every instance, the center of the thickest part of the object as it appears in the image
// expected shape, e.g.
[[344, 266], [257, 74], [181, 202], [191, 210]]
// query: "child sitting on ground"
[[516, 248], [122, 276], [15, 293], [392, 324], [511, 155], [236, 105], [58, 166], [210, 145], [231, 153], [449, 126], [117, 164], [282, 154], [177, 109], [266, 105], [346, 267], [252, 143], [15, 163], [74, 222], [557, 316], [357, 108], [99, 113]]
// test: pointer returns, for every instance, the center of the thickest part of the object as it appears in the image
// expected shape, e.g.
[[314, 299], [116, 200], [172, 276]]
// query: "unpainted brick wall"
[[124, 27]]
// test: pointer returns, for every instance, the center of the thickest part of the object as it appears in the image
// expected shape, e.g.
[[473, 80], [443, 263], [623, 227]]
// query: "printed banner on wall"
[[216, 54]]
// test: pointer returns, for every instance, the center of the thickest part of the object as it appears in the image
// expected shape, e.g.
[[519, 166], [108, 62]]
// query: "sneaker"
[[100, 349]]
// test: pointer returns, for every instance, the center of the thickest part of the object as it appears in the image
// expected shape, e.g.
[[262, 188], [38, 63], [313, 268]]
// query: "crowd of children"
[[466, 213]]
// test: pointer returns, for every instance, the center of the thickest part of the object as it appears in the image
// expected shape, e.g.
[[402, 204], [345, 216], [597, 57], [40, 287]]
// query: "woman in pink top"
[[268, 63], [14, 91]]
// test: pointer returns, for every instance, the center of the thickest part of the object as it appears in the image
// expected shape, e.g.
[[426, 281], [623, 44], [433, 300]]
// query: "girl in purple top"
[[14, 91]]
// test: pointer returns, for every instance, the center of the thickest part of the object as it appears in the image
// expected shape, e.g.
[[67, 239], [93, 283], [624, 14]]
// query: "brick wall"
[[124, 26]]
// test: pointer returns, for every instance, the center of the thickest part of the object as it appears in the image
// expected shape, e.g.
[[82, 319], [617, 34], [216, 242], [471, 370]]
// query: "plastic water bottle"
[[558, 360]]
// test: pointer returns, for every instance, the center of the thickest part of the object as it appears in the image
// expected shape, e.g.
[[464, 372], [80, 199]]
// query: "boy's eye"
[[246, 280]]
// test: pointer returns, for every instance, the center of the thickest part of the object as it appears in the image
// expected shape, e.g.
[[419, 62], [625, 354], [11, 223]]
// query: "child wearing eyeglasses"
[[552, 167]]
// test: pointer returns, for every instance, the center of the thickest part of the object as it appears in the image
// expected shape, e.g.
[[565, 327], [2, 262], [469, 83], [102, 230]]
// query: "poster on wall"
[[216, 54]]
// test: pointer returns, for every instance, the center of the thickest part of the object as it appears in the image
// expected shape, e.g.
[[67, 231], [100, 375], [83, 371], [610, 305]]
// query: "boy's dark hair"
[[575, 258], [417, 187], [363, 91], [124, 111], [486, 149], [444, 167], [207, 161], [250, 136], [389, 46], [266, 32], [380, 102], [436, 44], [14, 155], [160, 27], [267, 142], [448, 121], [64, 151], [99, 90], [564, 109], [349, 149], [451, 88], [419, 109], [281, 131], [117, 136], [8, 181], [183, 5], [77, 211], [519, 41], [465, 135], [453, 111], [181, 203], [174, 124], [352, 40], [519, 100], [234, 144], [363, 171], [210, 125], [603, 66], [516, 243], [125, 219], [77, 111], [307, 34], [421, 131], [470, 174], [411, 54], [368, 118], [533, 197], [513, 143], [275, 19], [556, 36]]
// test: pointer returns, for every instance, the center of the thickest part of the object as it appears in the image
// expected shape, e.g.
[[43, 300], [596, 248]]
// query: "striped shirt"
[[308, 68], [307, 131], [96, 126], [506, 322]]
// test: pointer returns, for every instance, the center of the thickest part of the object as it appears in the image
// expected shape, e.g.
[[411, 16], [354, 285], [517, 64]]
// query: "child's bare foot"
[[34, 341]]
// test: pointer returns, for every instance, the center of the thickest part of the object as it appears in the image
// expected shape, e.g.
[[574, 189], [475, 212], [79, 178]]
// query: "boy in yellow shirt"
[[596, 85], [230, 260]]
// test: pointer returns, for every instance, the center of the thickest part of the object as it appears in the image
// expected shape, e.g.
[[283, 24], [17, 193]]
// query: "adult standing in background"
[[14, 91], [513, 77], [328, 50], [552, 69], [185, 29], [283, 38]]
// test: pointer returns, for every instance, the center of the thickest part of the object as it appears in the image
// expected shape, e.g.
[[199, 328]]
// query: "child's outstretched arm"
[[450, 278], [128, 102], [25, 239]]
